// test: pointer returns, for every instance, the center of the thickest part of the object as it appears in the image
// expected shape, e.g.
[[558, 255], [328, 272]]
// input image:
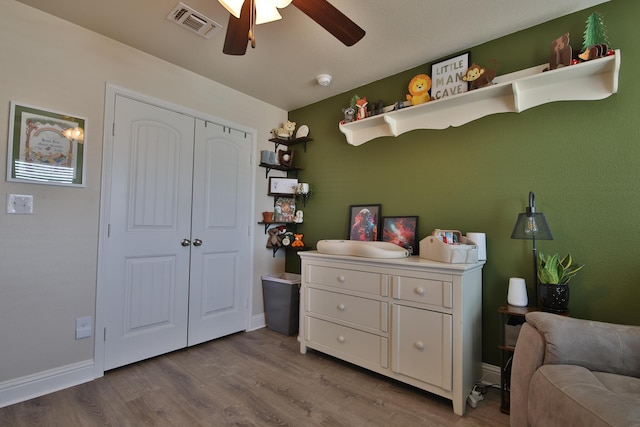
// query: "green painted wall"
[[580, 159]]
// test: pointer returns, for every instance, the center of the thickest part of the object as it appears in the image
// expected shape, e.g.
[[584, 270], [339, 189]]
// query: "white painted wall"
[[48, 260]]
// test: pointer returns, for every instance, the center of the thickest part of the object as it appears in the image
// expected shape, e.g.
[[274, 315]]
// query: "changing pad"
[[362, 249]]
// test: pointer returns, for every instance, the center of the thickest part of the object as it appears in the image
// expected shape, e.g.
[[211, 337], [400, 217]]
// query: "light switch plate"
[[19, 204], [83, 327]]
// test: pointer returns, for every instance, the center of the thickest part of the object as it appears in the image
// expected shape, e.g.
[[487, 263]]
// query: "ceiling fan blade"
[[237, 38], [332, 20]]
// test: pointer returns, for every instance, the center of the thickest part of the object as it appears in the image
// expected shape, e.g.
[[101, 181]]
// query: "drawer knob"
[[419, 291], [419, 345], [340, 339], [341, 307], [341, 279]]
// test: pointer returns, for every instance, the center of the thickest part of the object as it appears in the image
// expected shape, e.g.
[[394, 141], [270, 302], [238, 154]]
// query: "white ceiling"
[[291, 52]]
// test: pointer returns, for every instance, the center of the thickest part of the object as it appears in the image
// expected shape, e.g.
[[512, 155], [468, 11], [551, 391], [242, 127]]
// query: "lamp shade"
[[531, 224]]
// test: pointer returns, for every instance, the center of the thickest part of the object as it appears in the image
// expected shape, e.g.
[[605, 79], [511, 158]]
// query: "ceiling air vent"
[[193, 21]]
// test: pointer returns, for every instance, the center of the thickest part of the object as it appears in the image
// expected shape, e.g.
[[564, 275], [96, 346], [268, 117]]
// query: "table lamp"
[[532, 225]]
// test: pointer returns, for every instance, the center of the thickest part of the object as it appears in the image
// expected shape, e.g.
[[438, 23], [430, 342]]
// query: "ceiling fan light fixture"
[[233, 6], [266, 11], [281, 4]]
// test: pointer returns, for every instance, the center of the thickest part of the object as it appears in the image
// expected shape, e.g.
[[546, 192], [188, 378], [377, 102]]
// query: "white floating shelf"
[[514, 92]]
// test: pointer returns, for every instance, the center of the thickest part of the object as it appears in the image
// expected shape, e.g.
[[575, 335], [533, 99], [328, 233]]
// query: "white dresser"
[[414, 320]]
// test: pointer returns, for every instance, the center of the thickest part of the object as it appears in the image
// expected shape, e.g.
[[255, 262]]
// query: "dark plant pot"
[[554, 298]]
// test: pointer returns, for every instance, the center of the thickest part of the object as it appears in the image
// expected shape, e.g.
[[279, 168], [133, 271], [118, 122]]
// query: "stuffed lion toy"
[[286, 131], [419, 89]]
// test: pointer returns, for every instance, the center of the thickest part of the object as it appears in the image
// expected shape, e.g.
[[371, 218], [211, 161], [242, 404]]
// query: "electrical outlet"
[[19, 203], [83, 327]]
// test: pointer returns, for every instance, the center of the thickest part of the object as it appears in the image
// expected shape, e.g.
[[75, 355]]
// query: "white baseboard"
[[490, 374], [258, 321], [35, 385]]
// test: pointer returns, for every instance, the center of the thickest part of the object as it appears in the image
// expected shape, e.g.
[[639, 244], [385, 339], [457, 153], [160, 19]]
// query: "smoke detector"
[[193, 21], [324, 79]]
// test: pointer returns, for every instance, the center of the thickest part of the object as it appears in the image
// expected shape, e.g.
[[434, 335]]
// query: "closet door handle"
[[197, 242], [185, 242]]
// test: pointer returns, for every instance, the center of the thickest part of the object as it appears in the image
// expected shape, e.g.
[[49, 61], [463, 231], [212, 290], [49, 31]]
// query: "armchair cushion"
[[572, 395]]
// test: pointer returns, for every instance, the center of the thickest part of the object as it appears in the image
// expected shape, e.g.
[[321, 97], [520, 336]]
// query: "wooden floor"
[[257, 378]]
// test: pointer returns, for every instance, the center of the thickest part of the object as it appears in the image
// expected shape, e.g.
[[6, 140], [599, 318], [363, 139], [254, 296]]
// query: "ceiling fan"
[[247, 13]]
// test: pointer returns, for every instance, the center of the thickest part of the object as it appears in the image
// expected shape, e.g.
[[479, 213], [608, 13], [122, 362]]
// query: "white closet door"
[[220, 257], [150, 216]]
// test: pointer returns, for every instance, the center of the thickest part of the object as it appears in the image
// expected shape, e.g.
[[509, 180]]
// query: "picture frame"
[[364, 222], [446, 76], [45, 147], [401, 230], [284, 209], [282, 186]]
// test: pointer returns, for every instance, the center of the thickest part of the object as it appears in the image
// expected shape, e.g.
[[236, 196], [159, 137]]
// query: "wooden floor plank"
[[256, 378]]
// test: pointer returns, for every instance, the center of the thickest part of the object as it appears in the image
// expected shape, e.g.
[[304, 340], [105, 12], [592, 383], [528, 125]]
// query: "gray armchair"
[[574, 372]]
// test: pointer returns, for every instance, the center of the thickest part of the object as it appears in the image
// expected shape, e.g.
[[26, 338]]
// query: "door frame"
[[111, 92]]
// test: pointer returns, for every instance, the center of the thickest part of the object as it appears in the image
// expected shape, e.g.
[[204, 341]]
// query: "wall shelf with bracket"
[[290, 142], [514, 92]]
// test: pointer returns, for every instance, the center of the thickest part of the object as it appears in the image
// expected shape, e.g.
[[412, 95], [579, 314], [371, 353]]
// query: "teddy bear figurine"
[[297, 242], [273, 241]]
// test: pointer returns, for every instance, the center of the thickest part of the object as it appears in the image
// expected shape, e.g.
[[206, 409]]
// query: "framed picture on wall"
[[284, 209], [364, 222], [401, 230], [282, 186], [45, 147], [446, 76]]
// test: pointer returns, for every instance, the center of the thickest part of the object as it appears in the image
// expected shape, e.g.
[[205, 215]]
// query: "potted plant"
[[554, 275]]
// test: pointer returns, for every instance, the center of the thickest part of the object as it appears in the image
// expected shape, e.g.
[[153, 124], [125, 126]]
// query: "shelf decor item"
[[517, 294], [45, 147], [364, 222], [554, 275], [401, 230], [446, 76], [532, 225], [285, 208], [282, 186]]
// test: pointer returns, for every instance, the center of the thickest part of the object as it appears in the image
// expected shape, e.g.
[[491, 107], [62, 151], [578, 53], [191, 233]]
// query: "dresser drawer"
[[355, 346], [426, 291], [422, 345], [354, 280], [348, 308]]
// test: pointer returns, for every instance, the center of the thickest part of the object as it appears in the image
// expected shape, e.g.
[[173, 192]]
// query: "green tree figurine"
[[595, 33]]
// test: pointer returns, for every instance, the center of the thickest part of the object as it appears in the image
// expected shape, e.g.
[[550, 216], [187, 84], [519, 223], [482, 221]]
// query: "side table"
[[511, 320]]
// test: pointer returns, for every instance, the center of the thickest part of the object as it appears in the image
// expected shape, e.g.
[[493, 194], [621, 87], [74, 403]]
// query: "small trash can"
[[281, 302]]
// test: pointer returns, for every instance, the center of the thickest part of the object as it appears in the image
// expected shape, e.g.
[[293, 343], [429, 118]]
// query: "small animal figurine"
[[273, 241], [480, 77], [286, 131], [375, 108], [349, 114], [297, 242], [561, 52], [362, 108], [419, 89]]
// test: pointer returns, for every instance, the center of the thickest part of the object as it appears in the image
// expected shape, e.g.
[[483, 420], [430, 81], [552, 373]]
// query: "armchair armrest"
[[597, 346], [527, 358]]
